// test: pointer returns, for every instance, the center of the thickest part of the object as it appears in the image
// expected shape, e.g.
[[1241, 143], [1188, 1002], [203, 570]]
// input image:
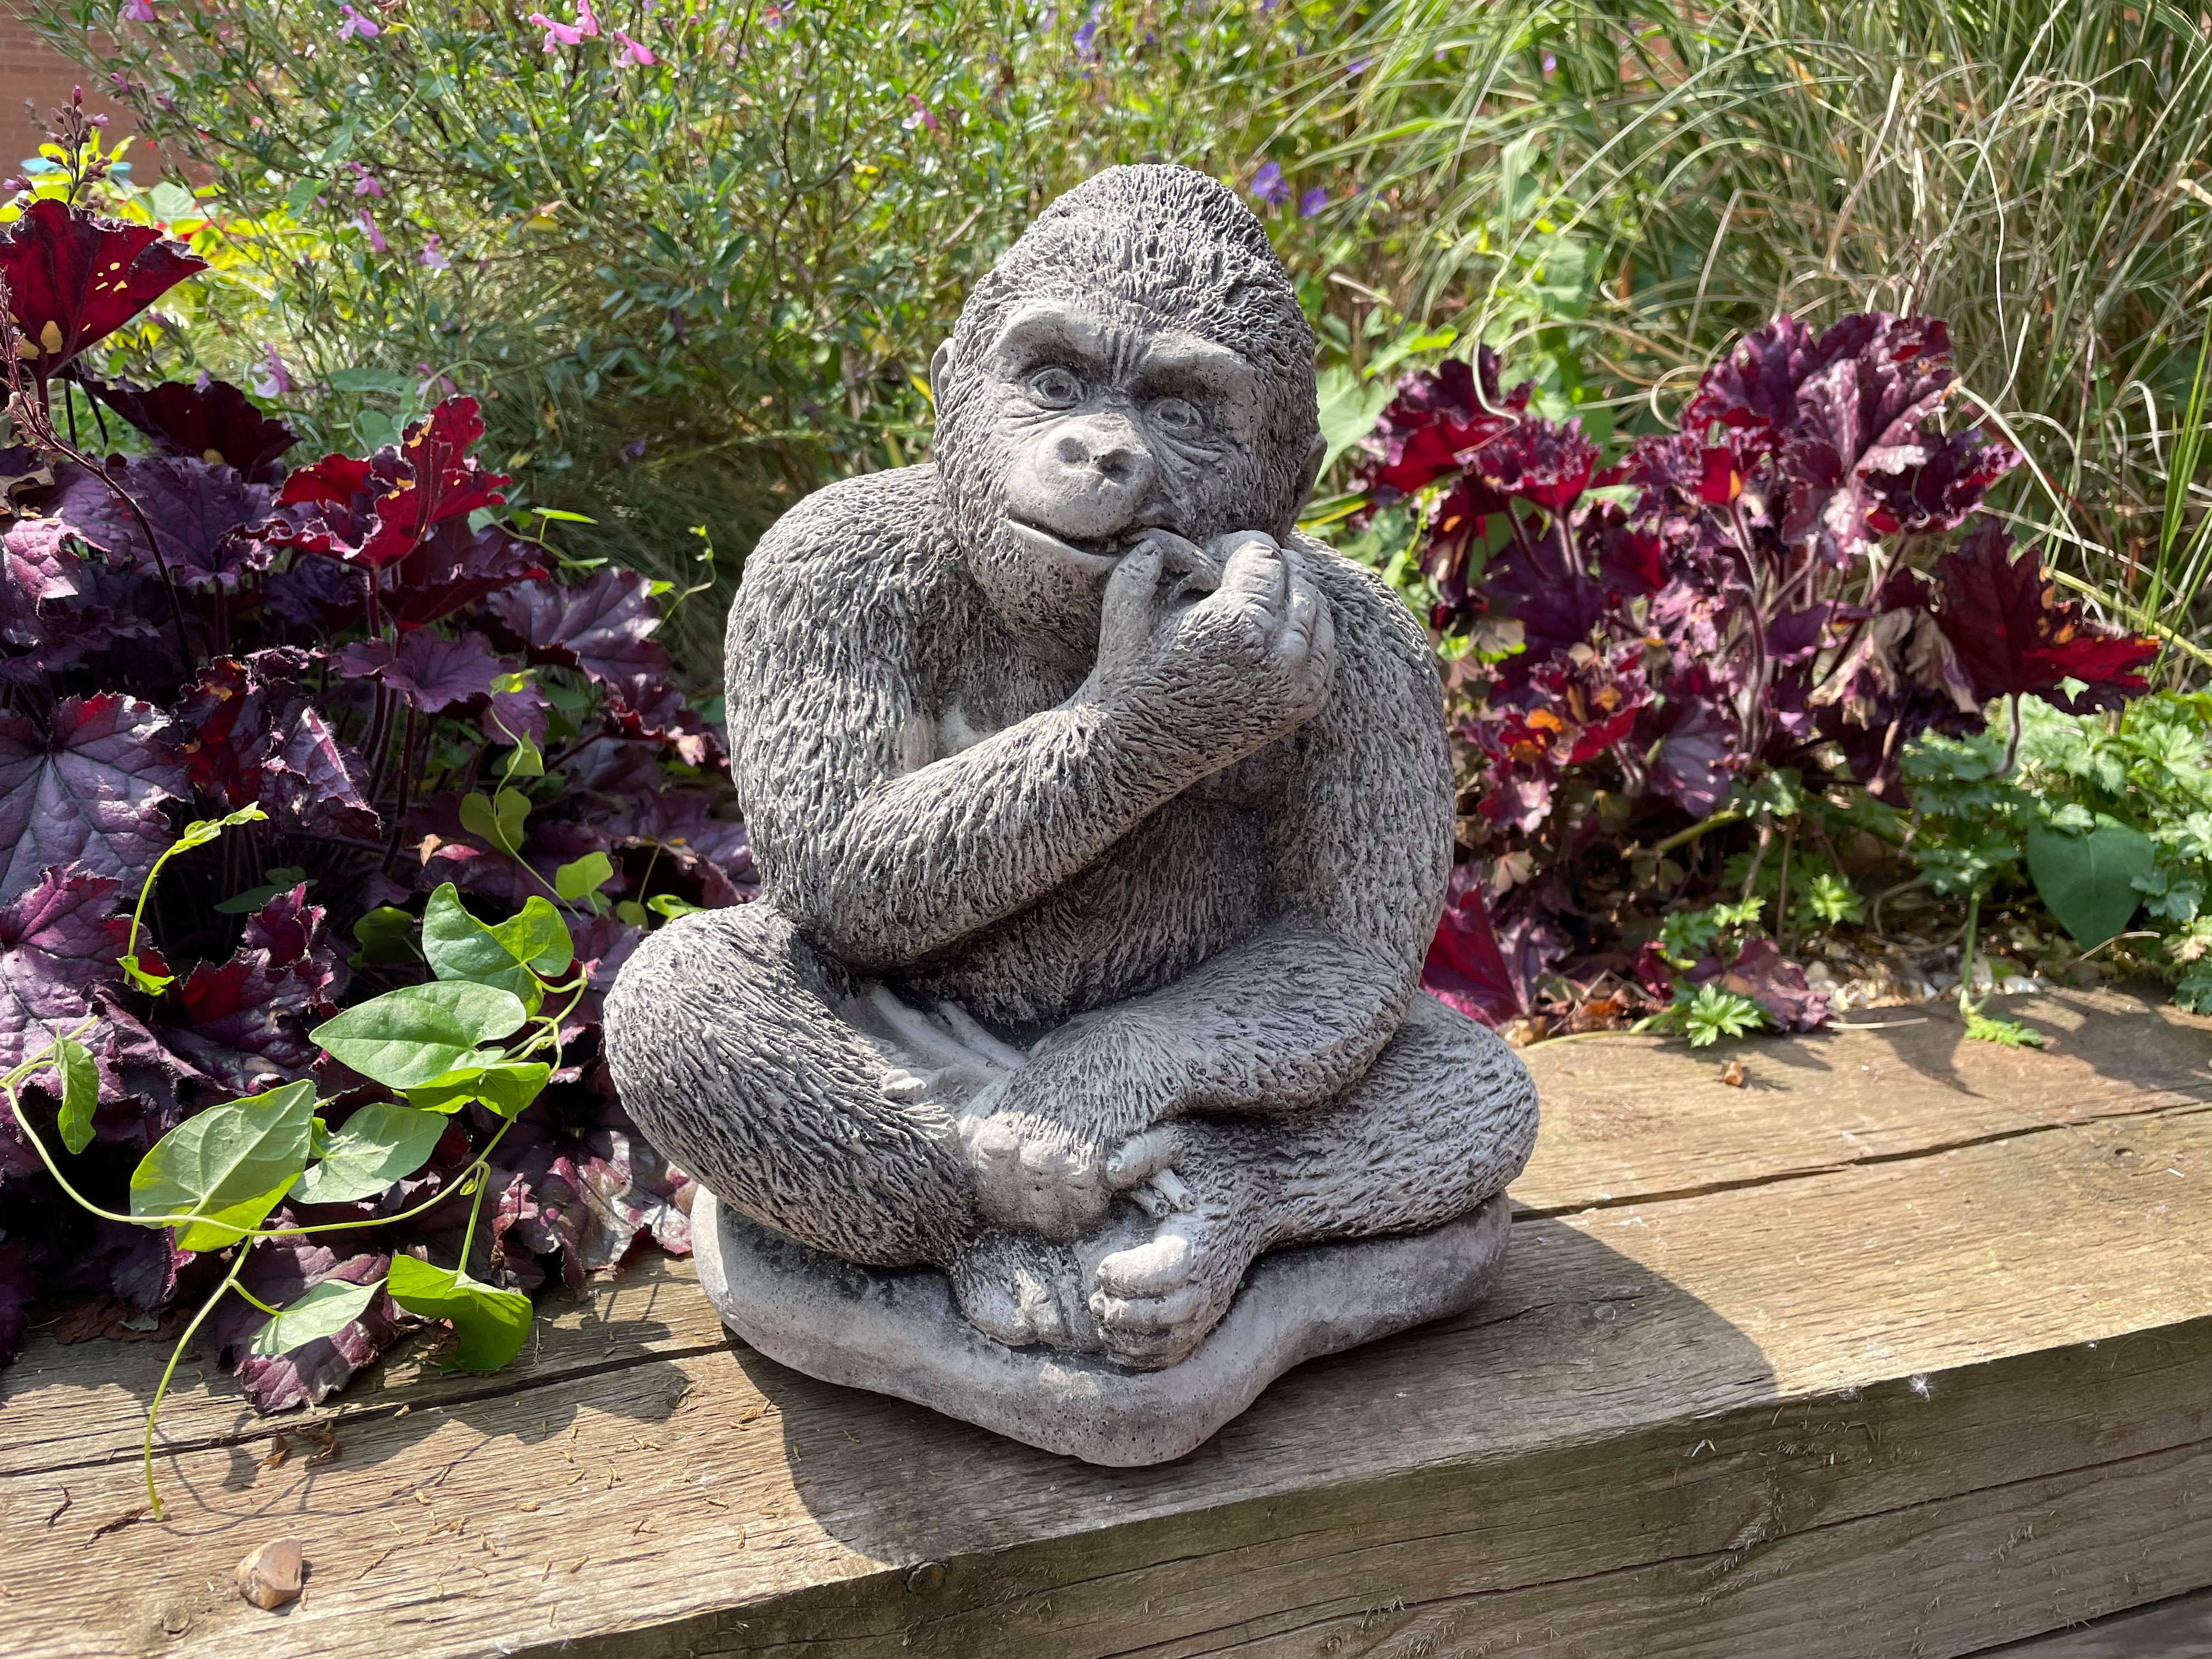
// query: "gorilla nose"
[[1112, 452]]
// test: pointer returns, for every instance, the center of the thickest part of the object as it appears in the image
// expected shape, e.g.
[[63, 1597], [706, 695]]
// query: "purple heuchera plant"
[[364, 642], [1754, 602]]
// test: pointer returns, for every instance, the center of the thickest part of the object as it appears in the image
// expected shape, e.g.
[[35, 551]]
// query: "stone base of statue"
[[896, 1331]]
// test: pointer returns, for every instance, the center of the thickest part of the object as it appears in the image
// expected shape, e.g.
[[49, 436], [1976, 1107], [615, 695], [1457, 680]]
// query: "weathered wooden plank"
[[453, 1530], [1626, 1119], [2179, 1629]]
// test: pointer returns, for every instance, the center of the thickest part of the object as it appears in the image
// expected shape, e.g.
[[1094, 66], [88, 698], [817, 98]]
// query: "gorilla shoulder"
[[866, 531]]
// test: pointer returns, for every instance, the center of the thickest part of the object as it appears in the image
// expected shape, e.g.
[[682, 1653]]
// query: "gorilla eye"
[[1173, 415], [1055, 387]]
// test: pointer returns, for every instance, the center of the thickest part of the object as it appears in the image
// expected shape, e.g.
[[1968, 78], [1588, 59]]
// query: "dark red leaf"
[[59, 938], [455, 567], [603, 626], [245, 1023], [1762, 973], [1541, 462], [89, 790], [2013, 635], [429, 671], [76, 278], [212, 421], [248, 731], [442, 482], [279, 1272], [1438, 419], [1940, 491], [1465, 966], [1697, 758], [200, 513]]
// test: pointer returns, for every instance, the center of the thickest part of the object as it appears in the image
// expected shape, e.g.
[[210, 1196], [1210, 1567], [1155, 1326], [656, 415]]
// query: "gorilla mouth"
[[1102, 551]]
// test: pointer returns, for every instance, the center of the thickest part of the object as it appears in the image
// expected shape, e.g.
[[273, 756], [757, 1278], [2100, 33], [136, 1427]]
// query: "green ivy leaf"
[[2089, 881], [515, 955], [498, 820], [406, 1038], [282, 879], [375, 1147], [228, 1166], [152, 984], [80, 1092], [386, 937], [324, 1310], [584, 877], [669, 906], [503, 1086], [491, 1324]]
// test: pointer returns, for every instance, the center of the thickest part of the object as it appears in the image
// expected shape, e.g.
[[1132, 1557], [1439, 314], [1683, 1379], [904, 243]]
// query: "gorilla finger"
[[1140, 1155], [1161, 1263], [912, 1029], [899, 1083], [1155, 1314], [979, 1042], [1256, 571]]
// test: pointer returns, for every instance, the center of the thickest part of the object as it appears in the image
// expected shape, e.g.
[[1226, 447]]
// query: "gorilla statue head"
[[1137, 360]]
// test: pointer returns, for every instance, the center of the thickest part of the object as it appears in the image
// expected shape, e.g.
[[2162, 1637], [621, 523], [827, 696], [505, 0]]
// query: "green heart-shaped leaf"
[[406, 1038], [80, 1092], [491, 1324], [375, 1147], [324, 1310], [2088, 881], [505, 1086], [228, 1166]]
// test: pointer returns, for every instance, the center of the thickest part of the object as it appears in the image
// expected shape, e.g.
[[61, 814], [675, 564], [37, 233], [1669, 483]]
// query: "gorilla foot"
[[1024, 1291], [1154, 1301]]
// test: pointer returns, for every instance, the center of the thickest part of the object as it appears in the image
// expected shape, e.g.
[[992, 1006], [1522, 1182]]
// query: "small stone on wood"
[[270, 1576]]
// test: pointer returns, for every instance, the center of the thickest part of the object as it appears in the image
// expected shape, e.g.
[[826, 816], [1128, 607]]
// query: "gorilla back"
[[1103, 823]]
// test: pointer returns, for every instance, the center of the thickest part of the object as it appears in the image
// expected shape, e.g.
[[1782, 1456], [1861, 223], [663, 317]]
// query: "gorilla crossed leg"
[[837, 1121]]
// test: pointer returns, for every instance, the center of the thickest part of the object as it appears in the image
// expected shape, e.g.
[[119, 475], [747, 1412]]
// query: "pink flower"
[[633, 49], [568, 34], [357, 26], [430, 256], [269, 377], [920, 116], [364, 184], [138, 11], [376, 242]]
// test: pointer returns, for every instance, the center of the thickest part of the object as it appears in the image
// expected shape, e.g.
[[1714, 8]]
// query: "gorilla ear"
[[940, 369]]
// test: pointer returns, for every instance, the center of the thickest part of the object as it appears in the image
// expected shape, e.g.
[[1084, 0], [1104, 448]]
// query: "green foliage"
[[2089, 879], [1706, 1015], [688, 291], [489, 1322], [2003, 165], [471, 1034], [226, 1168], [2008, 1033]]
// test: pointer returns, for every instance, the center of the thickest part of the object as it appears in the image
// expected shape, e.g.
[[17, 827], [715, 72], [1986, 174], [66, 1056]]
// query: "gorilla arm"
[[880, 854], [1360, 851]]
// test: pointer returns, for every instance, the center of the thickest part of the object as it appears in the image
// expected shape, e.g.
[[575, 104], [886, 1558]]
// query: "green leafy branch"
[[485, 1031]]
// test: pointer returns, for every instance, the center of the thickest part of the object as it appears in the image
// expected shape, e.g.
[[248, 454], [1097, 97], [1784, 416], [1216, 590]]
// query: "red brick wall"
[[29, 68]]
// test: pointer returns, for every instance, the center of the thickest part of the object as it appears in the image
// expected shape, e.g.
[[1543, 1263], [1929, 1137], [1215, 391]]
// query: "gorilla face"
[[1097, 424]]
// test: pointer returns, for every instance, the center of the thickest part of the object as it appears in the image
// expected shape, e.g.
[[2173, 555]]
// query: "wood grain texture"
[[1797, 1397]]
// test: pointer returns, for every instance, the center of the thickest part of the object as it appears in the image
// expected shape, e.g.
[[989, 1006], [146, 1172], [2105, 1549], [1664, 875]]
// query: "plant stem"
[[1727, 815], [169, 1370]]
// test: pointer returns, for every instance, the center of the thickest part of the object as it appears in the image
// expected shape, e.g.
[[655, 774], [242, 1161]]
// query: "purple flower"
[[1269, 186], [138, 11], [1550, 62], [376, 242], [430, 256], [1086, 38], [1357, 66], [1312, 201], [269, 377], [355, 25], [634, 50], [634, 450], [920, 117], [363, 183]]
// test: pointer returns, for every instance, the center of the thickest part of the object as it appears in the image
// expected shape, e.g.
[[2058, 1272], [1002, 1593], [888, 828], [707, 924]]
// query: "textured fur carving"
[[1103, 823]]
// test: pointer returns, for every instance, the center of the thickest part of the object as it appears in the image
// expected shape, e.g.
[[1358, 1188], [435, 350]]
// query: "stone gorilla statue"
[[1103, 823]]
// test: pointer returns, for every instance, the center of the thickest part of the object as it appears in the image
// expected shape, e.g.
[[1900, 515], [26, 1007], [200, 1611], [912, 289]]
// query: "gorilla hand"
[[1032, 1175], [1247, 661]]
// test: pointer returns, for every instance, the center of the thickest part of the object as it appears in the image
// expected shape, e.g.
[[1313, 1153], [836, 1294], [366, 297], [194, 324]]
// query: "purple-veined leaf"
[[89, 790]]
